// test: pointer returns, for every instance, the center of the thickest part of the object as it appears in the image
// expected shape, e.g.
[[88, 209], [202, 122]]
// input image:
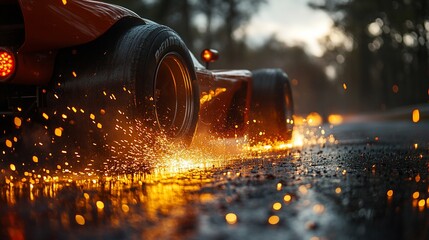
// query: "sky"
[[292, 21]]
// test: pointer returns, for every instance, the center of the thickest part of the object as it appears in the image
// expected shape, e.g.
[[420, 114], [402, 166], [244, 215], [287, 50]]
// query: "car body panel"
[[69, 23], [225, 97], [65, 24]]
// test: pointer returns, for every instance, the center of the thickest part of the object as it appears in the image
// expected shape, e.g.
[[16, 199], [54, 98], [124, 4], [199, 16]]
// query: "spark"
[[12, 167], [277, 206], [273, 220], [45, 116], [287, 198], [338, 190], [8, 143], [17, 121], [231, 218], [416, 116], [100, 205], [125, 208], [80, 219], [58, 131], [335, 119]]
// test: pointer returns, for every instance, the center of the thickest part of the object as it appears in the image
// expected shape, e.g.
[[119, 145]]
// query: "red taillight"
[[7, 64], [209, 55]]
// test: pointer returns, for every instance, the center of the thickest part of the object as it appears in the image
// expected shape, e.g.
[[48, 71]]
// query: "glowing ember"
[[17, 121], [58, 132], [125, 208], [273, 220], [314, 119], [231, 218], [80, 219], [416, 116], [100, 205], [277, 206], [8, 143], [422, 203], [338, 190], [45, 116], [335, 119]]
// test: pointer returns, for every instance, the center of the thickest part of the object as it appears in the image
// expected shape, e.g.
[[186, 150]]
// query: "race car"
[[107, 59]]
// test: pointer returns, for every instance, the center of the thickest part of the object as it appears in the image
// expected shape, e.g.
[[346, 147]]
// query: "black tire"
[[271, 107], [147, 68]]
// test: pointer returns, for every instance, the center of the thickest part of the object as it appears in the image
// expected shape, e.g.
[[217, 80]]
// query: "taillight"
[[209, 55], [7, 64]]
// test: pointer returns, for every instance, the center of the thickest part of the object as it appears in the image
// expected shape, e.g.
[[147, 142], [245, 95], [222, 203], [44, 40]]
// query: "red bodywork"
[[222, 91], [51, 25]]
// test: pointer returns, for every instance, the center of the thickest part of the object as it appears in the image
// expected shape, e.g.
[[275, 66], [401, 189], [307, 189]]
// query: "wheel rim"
[[173, 96]]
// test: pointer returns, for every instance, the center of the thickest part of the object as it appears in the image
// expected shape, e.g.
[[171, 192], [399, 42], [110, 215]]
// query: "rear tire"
[[148, 70], [271, 107]]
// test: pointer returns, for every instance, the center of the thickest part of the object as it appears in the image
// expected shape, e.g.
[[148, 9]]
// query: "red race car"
[[106, 59]]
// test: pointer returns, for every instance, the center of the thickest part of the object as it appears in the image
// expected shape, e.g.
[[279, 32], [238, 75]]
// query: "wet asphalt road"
[[372, 183]]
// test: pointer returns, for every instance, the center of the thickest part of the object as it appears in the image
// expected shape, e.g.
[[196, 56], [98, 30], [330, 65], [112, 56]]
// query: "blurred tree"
[[209, 10], [388, 63], [236, 14], [176, 14]]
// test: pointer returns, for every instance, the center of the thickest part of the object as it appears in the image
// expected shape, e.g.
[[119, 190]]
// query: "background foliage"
[[381, 62]]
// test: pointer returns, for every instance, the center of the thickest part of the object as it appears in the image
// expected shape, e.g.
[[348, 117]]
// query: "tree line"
[[381, 62], [386, 61]]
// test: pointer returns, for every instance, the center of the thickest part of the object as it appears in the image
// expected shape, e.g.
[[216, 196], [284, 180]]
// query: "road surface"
[[361, 180]]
